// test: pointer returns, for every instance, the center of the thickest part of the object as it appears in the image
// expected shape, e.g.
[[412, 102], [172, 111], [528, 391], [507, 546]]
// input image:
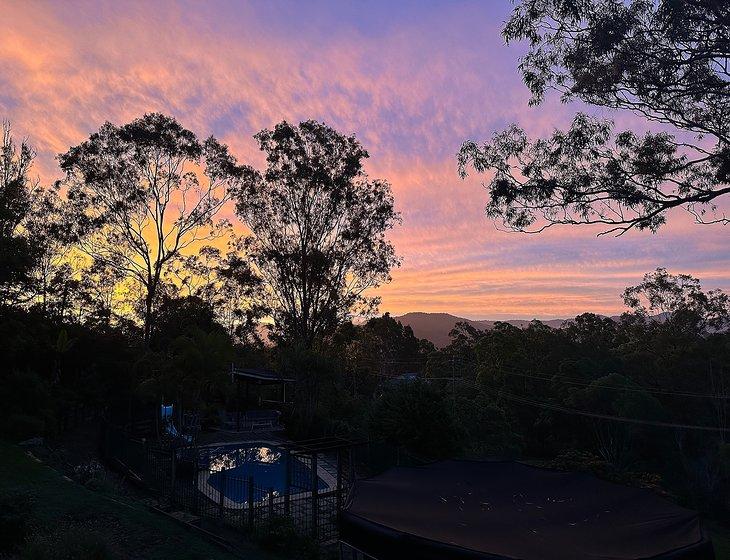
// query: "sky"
[[412, 80]]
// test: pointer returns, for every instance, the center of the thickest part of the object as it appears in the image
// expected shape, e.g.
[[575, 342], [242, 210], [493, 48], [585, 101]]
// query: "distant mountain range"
[[436, 326]]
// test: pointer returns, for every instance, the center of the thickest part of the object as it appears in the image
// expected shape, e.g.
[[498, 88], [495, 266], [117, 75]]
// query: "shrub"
[[279, 535], [414, 414], [66, 544]]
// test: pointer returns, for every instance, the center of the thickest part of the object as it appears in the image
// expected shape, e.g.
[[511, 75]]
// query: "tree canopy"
[[319, 228], [666, 61], [682, 296], [143, 192], [16, 256]]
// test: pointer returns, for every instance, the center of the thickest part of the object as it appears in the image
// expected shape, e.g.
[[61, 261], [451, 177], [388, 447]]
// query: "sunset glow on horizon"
[[412, 82]]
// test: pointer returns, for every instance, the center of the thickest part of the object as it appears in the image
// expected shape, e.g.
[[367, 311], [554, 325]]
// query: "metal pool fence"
[[318, 475]]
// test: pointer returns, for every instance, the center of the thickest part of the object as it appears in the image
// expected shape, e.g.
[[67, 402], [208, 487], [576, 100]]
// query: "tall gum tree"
[[16, 255], [144, 192], [319, 226]]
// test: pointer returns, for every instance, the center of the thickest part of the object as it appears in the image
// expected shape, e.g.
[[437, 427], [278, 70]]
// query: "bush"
[[280, 535], [582, 461], [414, 414], [66, 544]]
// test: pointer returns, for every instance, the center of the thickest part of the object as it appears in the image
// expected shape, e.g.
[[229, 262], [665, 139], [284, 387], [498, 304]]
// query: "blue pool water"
[[231, 466]]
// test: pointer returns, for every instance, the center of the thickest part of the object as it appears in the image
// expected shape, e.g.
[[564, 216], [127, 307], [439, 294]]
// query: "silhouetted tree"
[[667, 61], [679, 297], [416, 415], [49, 226], [227, 284], [143, 193], [16, 257], [319, 228]]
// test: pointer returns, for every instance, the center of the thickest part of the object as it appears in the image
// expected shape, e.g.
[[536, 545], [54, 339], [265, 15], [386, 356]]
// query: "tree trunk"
[[148, 316]]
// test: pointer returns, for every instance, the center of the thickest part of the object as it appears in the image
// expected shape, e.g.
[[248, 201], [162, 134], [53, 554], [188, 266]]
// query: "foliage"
[[144, 192], [414, 414], [319, 228], [666, 61], [280, 535], [227, 284], [583, 461], [16, 252], [679, 298]]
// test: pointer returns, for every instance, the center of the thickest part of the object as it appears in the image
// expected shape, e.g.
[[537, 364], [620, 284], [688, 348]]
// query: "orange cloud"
[[411, 84]]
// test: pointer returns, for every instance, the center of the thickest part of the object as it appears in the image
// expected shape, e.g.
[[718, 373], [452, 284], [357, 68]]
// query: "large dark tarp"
[[509, 510]]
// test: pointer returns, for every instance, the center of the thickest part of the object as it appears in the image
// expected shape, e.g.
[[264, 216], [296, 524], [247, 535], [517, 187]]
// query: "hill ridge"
[[437, 325]]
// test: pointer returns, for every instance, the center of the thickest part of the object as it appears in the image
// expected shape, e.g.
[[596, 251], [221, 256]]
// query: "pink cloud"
[[412, 91]]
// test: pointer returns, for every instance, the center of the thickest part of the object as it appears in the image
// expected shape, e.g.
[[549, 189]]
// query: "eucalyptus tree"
[[666, 61], [143, 193], [679, 296], [16, 255], [226, 283], [48, 225], [319, 226]]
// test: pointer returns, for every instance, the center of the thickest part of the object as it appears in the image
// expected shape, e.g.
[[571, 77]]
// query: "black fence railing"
[[200, 480]]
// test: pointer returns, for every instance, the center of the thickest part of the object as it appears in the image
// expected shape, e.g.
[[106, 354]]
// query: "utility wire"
[[611, 417], [572, 381], [511, 370]]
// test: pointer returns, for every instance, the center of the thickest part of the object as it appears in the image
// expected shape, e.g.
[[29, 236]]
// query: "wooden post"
[[249, 499], [315, 496], [222, 494], [271, 503]]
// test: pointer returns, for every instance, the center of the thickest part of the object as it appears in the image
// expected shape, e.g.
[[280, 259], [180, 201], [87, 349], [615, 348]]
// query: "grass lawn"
[[129, 529]]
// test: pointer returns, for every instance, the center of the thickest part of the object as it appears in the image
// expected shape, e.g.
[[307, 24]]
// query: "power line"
[[511, 370], [614, 418], [572, 381], [567, 410]]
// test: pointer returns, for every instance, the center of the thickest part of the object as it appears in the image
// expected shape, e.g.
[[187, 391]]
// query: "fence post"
[[221, 493], [196, 474], [287, 482], [249, 499], [315, 496], [351, 466], [146, 463], [173, 468], [271, 503], [339, 480]]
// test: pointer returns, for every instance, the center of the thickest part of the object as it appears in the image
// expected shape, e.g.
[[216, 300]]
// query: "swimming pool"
[[230, 467]]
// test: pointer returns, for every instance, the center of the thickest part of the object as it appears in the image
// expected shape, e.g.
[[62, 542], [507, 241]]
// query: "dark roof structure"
[[501, 510], [259, 376]]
